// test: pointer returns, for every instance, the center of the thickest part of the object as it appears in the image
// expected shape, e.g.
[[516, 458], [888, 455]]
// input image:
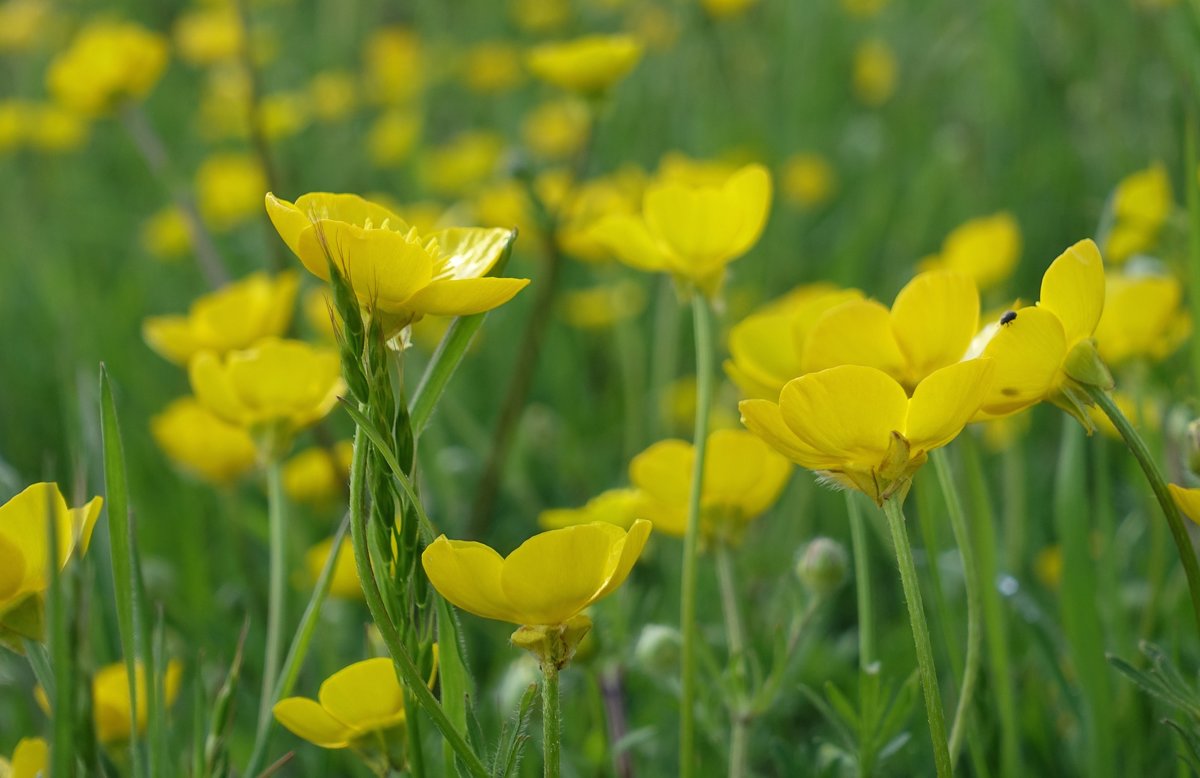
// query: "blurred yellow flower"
[[396, 272], [283, 114], [225, 102], [333, 95], [1141, 411], [1140, 207], [459, 166], [986, 249], [616, 506], [392, 136], [856, 426], [587, 65], [727, 9], [14, 118], [1142, 317], [111, 703], [30, 759], [767, 348], [557, 129], [166, 235], [229, 189], [875, 72], [807, 180], [492, 67], [204, 36], [548, 580], [320, 314], [863, 9], [315, 476], [601, 307], [395, 71], [507, 204], [235, 316], [1048, 566], [280, 384], [692, 231], [690, 171], [107, 63], [539, 16], [52, 129], [25, 539], [590, 202], [202, 443], [344, 583], [23, 24], [743, 478], [353, 707], [656, 26]]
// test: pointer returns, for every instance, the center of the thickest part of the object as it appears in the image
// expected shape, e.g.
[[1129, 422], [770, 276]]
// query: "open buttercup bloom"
[[396, 273], [344, 582], [743, 478], [282, 385], [587, 65], [621, 507], [767, 348], [353, 707], [107, 64], [317, 475], [986, 249], [25, 538], [30, 759], [1141, 204], [111, 705], [1142, 317], [233, 317], [202, 443], [692, 230], [857, 427]]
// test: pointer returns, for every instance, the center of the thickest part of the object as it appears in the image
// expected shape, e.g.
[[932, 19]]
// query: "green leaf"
[[452, 673]]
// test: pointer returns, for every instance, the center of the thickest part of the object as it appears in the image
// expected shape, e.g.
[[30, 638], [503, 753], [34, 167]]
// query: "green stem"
[[1192, 196], [703, 321], [409, 673], [551, 721], [862, 582], [739, 718], [1183, 542], [962, 536], [277, 537], [916, 617]]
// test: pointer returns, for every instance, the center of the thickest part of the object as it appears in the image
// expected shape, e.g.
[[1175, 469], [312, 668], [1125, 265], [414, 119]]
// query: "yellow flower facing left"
[[588, 65], [355, 706], [111, 703], [107, 64], [202, 443], [986, 249], [1142, 318], [30, 759]]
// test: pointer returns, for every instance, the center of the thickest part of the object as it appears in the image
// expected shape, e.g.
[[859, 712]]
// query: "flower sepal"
[[1084, 365], [1072, 398], [553, 645], [383, 751]]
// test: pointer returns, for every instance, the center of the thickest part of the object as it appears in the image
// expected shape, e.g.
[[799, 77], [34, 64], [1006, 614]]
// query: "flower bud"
[[658, 648], [822, 567]]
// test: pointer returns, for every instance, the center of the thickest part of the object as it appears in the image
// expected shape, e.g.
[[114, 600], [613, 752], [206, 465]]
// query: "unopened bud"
[[658, 648], [823, 566]]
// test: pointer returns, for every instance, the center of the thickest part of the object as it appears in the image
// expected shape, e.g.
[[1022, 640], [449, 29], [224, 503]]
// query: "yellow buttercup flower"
[[986, 249], [726, 9], [875, 72], [396, 273], [333, 95], [506, 204], [857, 427], [547, 581], [166, 234], [743, 478], [344, 583], [807, 180], [30, 759], [558, 129], [692, 231], [353, 707], [492, 67], [395, 70], [25, 538], [767, 348], [229, 189], [315, 475], [590, 202], [587, 65], [200, 442], [459, 166], [285, 384], [283, 114], [52, 129], [1141, 205], [1188, 501], [601, 307], [209, 35], [621, 507], [392, 136], [111, 702], [107, 63], [1142, 318], [232, 317]]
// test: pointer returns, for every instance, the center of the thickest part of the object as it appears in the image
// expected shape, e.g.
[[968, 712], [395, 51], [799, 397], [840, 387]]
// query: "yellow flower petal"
[[465, 296], [306, 719], [365, 695], [702, 226], [1188, 501], [31, 758], [1140, 319], [934, 318], [663, 473], [857, 332], [765, 419], [1027, 355], [468, 575], [287, 379], [12, 569], [631, 551], [749, 192], [1073, 289], [554, 575], [742, 473], [628, 238], [384, 267], [213, 389], [945, 401], [469, 252]]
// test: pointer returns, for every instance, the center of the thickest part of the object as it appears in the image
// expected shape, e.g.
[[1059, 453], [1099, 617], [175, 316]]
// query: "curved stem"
[[962, 536], [551, 721], [920, 629], [862, 582], [702, 318], [739, 718], [1183, 542], [277, 520]]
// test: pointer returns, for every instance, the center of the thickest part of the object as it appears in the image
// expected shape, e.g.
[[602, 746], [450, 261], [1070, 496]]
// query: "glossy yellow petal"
[[349, 209], [631, 551], [934, 318], [764, 354], [742, 473], [24, 528], [705, 227], [12, 571], [289, 221], [31, 758], [986, 249], [845, 413], [857, 332], [1073, 289], [1027, 355], [212, 388], [554, 575], [588, 65], [748, 191], [82, 522], [201, 442], [383, 267], [1140, 314], [765, 419], [663, 472], [364, 695], [630, 241], [469, 252], [170, 336], [344, 583], [281, 379], [1188, 501], [306, 719], [945, 401], [462, 297], [468, 575]]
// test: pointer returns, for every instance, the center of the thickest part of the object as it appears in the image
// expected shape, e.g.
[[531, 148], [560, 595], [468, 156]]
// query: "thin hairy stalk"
[[551, 721], [862, 582]]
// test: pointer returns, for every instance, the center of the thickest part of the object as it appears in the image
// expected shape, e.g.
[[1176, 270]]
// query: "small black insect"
[[1008, 318]]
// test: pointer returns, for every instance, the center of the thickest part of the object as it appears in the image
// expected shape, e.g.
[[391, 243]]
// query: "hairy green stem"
[[551, 721], [920, 629], [862, 582], [702, 317]]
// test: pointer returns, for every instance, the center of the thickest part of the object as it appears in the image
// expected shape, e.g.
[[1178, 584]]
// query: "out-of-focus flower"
[[656, 26], [616, 506], [1188, 501], [727, 9], [539, 17], [1048, 566], [14, 116], [356, 706], [986, 249], [601, 307], [856, 426], [1142, 412], [204, 36], [321, 314], [229, 189], [875, 72], [392, 137], [107, 63], [54, 130], [395, 70], [455, 168], [587, 65], [202, 443], [344, 583], [1140, 207], [25, 538], [492, 67], [333, 95], [592, 201], [863, 9], [395, 272], [23, 24], [166, 235], [667, 236], [315, 475], [808, 180], [282, 385], [111, 703], [767, 348], [691, 171], [822, 567], [506, 204], [1142, 318], [30, 759], [283, 114], [225, 102], [232, 317], [743, 477], [557, 129]]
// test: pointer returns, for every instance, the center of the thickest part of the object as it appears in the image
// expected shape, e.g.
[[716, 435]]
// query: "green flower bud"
[[823, 566]]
